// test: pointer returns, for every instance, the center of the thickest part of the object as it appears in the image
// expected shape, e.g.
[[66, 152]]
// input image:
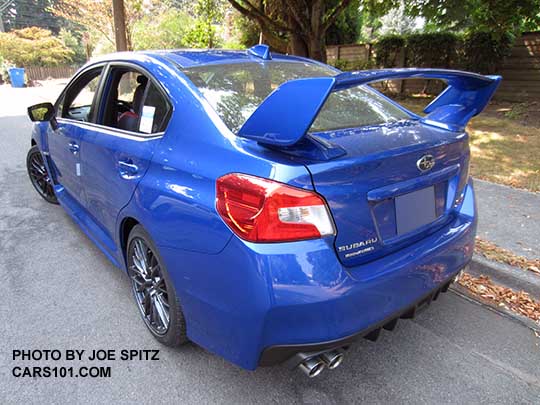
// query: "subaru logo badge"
[[425, 163]]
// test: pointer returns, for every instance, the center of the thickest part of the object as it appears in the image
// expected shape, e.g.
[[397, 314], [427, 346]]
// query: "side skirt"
[[87, 224]]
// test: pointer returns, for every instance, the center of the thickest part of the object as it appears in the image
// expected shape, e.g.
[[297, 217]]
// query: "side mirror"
[[43, 112]]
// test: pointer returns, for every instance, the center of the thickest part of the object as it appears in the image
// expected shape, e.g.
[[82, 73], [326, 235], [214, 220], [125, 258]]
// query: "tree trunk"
[[317, 48], [297, 45], [119, 25], [276, 43]]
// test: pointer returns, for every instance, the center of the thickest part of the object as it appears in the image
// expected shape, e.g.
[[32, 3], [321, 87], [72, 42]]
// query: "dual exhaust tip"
[[314, 366]]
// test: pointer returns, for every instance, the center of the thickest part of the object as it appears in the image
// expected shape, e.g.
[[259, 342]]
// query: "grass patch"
[[503, 149]]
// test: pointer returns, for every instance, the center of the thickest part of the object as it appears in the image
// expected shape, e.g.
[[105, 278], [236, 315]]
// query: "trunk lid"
[[379, 198]]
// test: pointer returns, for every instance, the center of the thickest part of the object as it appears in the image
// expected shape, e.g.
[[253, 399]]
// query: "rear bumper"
[[259, 304], [282, 353]]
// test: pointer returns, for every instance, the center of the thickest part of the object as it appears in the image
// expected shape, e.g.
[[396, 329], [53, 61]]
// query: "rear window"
[[236, 90]]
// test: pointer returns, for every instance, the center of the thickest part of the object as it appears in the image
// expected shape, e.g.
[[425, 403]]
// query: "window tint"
[[127, 86], [77, 101], [134, 103], [155, 111], [236, 90]]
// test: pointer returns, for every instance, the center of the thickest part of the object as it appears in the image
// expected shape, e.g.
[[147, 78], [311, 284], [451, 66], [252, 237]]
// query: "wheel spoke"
[[149, 286], [141, 255], [137, 279], [161, 310], [37, 166], [160, 287], [147, 304], [137, 268]]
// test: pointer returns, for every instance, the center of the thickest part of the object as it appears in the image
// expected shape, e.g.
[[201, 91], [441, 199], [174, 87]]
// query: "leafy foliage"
[[346, 28], [4, 67], [297, 26], [166, 31], [25, 13], [97, 15], [203, 34], [499, 17], [397, 22], [343, 64], [438, 49], [33, 46], [476, 51], [246, 30], [74, 43], [387, 50], [483, 53]]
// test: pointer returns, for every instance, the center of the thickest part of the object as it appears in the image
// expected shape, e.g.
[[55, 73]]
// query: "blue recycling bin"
[[16, 76]]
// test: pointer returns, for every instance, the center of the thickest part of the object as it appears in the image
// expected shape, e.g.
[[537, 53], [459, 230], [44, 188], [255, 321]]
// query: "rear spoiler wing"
[[286, 115]]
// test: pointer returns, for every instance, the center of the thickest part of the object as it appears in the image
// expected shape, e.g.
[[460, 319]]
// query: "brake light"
[[262, 210]]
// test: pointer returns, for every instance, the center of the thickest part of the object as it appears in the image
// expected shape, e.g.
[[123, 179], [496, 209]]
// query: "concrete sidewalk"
[[508, 217]]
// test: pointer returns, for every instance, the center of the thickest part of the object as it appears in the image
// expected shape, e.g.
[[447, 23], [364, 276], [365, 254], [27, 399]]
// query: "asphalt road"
[[60, 292]]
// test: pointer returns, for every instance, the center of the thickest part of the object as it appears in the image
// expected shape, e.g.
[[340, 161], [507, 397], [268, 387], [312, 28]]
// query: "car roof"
[[193, 57], [186, 58]]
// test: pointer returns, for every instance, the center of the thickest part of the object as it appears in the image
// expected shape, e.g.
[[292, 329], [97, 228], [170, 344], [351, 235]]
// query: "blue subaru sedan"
[[269, 208]]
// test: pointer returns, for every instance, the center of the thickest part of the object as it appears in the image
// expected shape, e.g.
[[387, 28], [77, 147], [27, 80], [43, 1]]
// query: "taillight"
[[262, 210]]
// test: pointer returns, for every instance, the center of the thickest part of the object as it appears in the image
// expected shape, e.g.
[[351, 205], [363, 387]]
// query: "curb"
[[506, 275], [464, 293]]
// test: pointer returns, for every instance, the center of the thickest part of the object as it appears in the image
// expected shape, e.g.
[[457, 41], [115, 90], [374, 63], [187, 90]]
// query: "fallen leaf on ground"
[[519, 302], [493, 252]]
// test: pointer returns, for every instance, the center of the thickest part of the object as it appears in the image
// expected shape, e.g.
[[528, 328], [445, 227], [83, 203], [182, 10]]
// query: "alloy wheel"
[[40, 177], [149, 286]]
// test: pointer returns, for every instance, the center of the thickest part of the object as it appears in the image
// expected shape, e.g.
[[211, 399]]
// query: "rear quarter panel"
[[175, 201]]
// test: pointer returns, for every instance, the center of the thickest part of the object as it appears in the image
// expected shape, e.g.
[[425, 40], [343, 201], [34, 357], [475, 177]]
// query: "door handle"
[[73, 147], [127, 168]]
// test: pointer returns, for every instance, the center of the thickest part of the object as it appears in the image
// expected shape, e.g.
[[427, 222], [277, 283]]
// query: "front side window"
[[236, 90], [134, 103], [77, 102]]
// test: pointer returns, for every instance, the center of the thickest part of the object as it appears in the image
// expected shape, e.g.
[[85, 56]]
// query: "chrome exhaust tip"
[[332, 359], [312, 367]]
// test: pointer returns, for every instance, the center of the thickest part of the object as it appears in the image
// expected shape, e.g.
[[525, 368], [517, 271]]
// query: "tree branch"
[[253, 12], [296, 14], [333, 14]]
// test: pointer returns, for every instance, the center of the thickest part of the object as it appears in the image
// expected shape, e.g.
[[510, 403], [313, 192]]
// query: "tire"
[[152, 287], [39, 176]]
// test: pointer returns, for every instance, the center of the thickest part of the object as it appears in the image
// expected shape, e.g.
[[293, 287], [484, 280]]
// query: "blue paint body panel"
[[240, 298]]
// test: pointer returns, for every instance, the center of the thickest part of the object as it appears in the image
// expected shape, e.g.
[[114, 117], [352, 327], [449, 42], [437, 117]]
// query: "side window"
[[77, 102], [155, 112], [134, 103]]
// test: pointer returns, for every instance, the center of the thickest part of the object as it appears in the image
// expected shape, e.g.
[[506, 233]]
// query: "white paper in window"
[[147, 119]]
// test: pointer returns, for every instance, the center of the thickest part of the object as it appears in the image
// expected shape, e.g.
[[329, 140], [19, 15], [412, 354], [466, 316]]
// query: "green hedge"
[[477, 51], [387, 50], [483, 53], [432, 49]]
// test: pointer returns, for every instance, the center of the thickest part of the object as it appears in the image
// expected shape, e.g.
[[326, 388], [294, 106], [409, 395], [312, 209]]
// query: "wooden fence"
[[44, 73], [350, 53], [520, 71]]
